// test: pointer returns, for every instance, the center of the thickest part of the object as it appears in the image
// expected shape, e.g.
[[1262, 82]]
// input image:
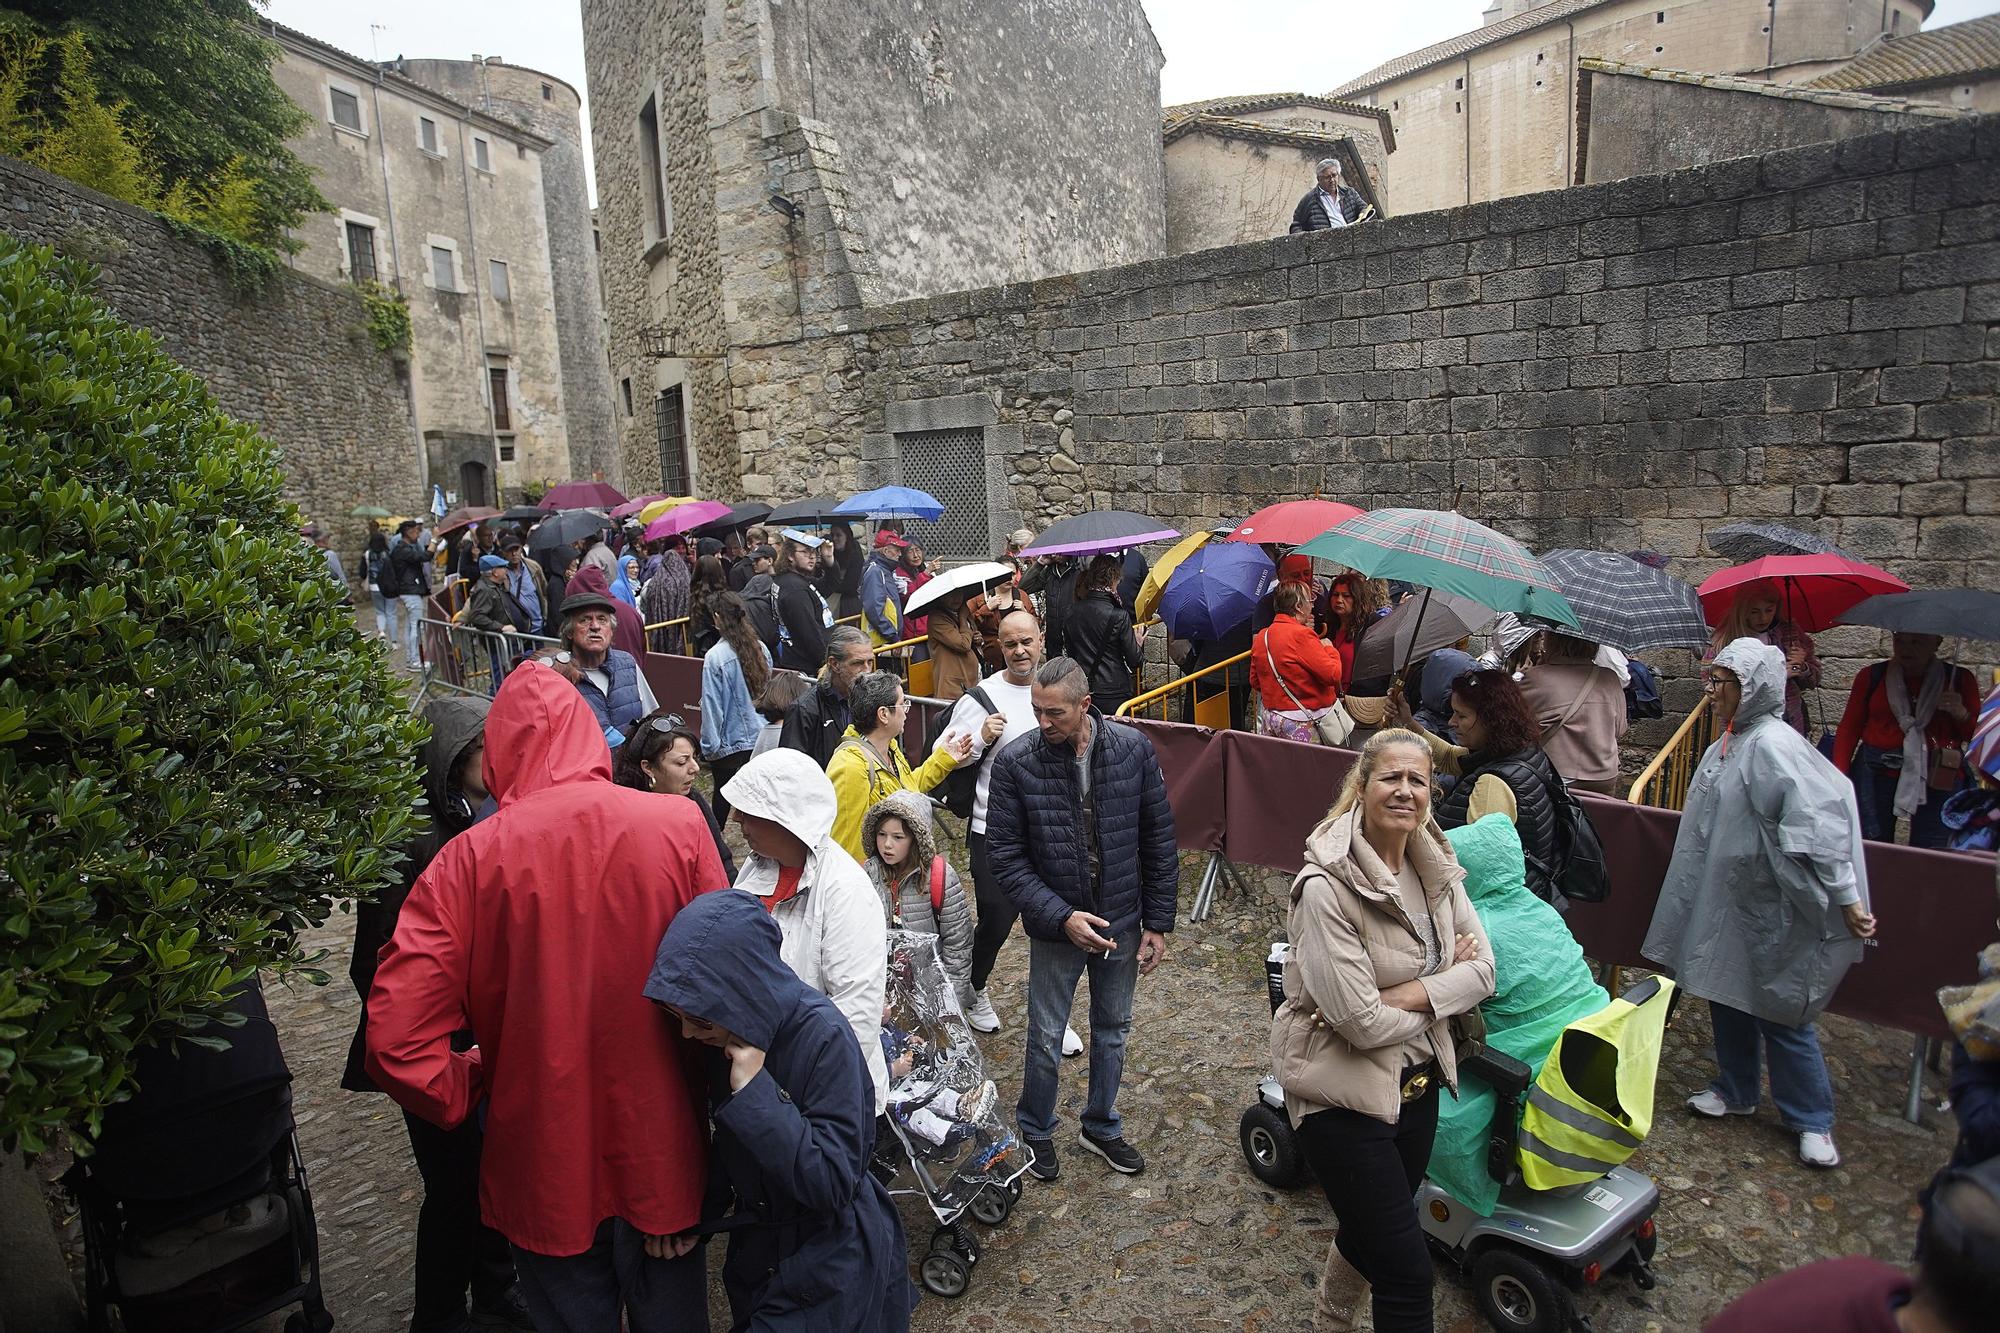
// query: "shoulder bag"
[[1332, 725]]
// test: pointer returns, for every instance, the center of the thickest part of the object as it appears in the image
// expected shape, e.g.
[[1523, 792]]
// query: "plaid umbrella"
[[1627, 605], [1448, 552], [1747, 541]]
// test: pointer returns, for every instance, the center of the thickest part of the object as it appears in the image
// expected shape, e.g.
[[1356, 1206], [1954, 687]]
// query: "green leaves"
[[199, 755]]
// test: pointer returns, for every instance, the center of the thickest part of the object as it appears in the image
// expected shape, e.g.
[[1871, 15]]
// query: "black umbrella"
[[1415, 630], [1951, 613], [1627, 605], [738, 517], [1747, 541], [1099, 532], [566, 527], [524, 514], [812, 509]]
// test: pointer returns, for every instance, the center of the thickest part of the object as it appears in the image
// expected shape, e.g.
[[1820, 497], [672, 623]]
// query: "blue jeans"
[[385, 620], [1875, 801], [1053, 970], [413, 611], [1799, 1085]]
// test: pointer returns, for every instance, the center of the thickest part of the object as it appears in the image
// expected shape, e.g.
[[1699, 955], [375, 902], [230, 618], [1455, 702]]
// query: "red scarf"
[[788, 886]]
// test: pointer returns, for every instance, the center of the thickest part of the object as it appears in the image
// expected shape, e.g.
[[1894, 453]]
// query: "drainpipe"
[[478, 301], [396, 258], [1569, 112], [1467, 117]]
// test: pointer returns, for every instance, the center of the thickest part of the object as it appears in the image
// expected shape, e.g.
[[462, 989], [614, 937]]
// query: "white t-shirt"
[[1017, 704]]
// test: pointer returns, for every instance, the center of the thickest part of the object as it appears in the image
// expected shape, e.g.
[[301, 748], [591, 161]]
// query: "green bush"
[[199, 754]]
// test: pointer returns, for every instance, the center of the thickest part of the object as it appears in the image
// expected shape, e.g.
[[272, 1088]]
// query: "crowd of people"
[[748, 992]]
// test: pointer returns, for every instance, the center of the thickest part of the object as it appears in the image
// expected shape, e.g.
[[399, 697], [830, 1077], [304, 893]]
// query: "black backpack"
[[1581, 873], [961, 786]]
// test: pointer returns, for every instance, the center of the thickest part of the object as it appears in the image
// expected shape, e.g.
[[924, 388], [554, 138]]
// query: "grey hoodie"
[[909, 904]]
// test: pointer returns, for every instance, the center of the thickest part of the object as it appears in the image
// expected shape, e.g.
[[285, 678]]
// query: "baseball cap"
[[764, 553], [887, 538], [491, 562], [803, 538]]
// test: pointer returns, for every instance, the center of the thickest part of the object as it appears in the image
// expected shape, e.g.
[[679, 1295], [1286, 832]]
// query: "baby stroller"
[[196, 1212], [943, 1115], [1538, 1245]]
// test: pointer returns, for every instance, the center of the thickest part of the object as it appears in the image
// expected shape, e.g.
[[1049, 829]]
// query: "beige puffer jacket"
[[1333, 1042]]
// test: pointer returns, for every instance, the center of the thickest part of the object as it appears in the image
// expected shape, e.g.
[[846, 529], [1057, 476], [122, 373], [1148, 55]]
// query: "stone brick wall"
[[297, 362], [1807, 337]]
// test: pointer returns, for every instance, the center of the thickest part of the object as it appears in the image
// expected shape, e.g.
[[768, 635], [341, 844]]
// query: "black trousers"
[[997, 912], [456, 1253], [722, 770], [1370, 1172], [586, 1293]]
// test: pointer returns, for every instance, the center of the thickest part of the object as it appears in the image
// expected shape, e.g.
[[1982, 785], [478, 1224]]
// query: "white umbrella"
[[976, 575]]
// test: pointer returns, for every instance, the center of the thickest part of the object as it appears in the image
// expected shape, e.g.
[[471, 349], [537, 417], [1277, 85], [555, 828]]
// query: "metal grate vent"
[[951, 465]]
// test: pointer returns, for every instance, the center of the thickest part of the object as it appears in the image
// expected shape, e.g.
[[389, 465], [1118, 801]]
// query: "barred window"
[[670, 424], [950, 465]]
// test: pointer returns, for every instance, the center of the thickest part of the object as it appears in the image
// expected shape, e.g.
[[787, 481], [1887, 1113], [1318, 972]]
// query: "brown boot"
[[1343, 1296]]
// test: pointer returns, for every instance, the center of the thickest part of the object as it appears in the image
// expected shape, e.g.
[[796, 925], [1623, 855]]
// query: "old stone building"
[[450, 205], [1958, 65], [1236, 166], [766, 168], [1491, 113]]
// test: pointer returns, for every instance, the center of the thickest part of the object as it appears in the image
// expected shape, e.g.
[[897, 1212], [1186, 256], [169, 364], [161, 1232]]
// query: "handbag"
[[1331, 725]]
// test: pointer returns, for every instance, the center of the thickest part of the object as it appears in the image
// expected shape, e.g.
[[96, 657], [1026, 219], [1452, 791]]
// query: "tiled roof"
[[1454, 47], [1176, 119], [1249, 129], [1971, 47], [1795, 92]]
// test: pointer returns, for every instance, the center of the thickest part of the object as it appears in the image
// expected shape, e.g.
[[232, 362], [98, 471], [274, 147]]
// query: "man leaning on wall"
[[1330, 203]]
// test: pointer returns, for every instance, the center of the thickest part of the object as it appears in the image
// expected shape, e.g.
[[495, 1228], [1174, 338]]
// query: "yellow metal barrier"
[[1664, 782], [667, 624], [1210, 712], [917, 680], [854, 619]]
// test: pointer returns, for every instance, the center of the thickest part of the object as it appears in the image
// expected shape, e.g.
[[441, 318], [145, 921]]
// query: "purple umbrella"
[[583, 495], [1213, 592], [1096, 533]]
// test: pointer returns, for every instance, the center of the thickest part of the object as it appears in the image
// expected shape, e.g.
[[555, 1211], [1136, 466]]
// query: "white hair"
[[1326, 162]]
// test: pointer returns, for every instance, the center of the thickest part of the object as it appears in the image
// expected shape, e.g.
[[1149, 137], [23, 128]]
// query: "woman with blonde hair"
[[1385, 949], [1758, 613]]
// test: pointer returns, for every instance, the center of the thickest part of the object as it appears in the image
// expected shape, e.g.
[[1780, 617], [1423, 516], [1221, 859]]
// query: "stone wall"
[[297, 362], [1808, 338]]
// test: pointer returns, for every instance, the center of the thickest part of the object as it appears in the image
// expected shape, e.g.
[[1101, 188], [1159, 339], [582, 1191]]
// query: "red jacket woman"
[[1296, 675]]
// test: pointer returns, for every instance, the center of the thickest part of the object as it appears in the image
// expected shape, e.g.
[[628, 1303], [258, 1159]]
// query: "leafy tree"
[[199, 754], [196, 76]]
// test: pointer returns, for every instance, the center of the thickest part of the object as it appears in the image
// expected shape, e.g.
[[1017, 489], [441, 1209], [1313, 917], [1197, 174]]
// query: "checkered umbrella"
[[1626, 605], [1747, 541], [1449, 552]]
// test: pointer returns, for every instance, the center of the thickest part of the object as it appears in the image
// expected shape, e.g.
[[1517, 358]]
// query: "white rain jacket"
[[1769, 851], [835, 938]]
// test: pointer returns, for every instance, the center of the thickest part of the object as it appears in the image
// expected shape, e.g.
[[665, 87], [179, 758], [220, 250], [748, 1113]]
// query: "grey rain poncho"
[[1769, 852]]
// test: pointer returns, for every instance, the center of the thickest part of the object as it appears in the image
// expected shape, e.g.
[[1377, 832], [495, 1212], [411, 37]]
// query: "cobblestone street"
[[1196, 1242]]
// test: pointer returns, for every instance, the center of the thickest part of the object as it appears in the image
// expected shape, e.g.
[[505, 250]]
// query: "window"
[[670, 425], [657, 214], [496, 278], [1660, 16], [625, 392], [548, 93], [427, 135], [1458, 83], [345, 108], [496, 383], [950, 464], [482, 154], [361, 253], [442, 260], [507, 450]]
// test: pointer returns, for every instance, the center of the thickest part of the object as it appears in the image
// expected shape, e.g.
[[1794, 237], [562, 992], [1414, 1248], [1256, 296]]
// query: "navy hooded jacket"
[[814, 1241], [1035, 837]]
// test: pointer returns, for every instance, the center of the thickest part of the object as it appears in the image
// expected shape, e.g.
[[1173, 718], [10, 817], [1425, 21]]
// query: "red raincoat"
[[536, 928]]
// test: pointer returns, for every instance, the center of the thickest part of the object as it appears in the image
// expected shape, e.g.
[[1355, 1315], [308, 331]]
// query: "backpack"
[[937, 885], [1581, 873], [1642, 693], [960, 789], [378, 565]]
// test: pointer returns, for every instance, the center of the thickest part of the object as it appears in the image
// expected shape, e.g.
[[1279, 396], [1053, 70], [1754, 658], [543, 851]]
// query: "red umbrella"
[[682, 517], [1291, 522], [459, 518], [634, 505], [1813, 591], [583, 495]]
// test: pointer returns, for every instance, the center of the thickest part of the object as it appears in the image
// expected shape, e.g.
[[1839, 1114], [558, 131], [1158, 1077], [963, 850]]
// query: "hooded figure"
[[1441, 668], [834, 936], [907, 896], [536, 929], [1541, 985], [625, 588], [814, 1242], [1769, 852]]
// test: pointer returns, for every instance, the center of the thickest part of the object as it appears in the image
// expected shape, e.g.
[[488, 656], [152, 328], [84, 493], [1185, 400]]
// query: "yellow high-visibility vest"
[[1593, 1103]]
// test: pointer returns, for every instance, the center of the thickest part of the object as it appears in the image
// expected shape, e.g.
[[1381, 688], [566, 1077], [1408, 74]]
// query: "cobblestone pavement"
[[1196, 1242]]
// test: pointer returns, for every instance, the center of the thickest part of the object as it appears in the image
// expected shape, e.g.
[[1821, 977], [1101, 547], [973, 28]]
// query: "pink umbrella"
[[635, 505], [682, 517], [583, 495]]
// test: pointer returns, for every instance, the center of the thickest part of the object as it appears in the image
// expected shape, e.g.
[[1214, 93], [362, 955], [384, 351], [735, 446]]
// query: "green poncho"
[[1542, 986]]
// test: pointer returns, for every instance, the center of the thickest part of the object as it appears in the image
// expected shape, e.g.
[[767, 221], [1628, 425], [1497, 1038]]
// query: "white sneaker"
[[1709, 1102], [1072, 1044], [1818, 1150], [981, 1015]]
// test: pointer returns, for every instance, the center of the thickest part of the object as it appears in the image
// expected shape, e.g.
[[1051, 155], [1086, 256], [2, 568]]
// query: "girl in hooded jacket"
[[903, 862]]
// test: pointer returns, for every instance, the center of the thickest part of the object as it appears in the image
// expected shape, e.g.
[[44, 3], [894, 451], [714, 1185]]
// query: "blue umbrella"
[[892, 502], [1213, 591]]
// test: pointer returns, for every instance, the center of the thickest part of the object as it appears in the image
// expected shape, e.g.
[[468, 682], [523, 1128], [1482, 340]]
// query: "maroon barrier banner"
[[676, 683], [1935, 909]]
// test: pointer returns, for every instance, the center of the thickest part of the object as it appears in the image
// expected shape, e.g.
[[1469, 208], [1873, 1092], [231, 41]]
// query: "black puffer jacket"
[[1035, 833], [814, 725], [1101, 641], [1530, 776]]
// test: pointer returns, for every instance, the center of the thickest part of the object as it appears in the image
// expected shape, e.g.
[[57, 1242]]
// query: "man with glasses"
[[814, 725]]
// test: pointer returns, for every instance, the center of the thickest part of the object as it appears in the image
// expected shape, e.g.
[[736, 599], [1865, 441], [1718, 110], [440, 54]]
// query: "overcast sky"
[[1212, 49]]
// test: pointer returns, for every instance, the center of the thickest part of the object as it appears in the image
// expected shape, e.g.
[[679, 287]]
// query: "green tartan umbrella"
[[1449, 552]]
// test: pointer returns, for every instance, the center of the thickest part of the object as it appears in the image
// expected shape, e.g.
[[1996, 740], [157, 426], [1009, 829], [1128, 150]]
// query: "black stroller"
[[196, 1212]]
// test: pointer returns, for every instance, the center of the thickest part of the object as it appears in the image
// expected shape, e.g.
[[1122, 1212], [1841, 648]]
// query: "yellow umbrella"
[[659, 507], [1148, 600]]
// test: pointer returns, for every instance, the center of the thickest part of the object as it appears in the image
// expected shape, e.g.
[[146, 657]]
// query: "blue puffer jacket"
[[1034, 833]]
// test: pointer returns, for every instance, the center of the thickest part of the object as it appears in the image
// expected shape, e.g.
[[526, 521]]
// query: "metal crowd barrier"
[[1210, 710], [468, 660], [1664, 782]]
